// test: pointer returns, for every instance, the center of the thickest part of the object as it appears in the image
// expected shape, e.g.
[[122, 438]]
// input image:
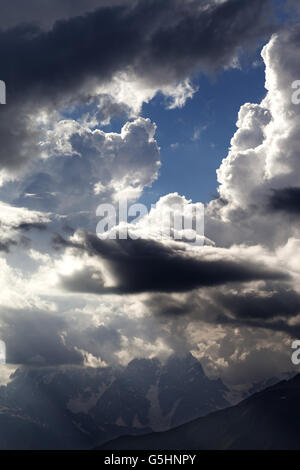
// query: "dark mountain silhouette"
[[267, 420]]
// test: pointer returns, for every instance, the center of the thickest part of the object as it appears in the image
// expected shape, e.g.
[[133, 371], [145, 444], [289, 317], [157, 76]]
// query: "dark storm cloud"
[[33, 337], [149, 266], [169, 36], [46, 12], [272, 310], [257, 306], [26, 226], [162, 42], [84, 281], [286, 200], [293, 7]]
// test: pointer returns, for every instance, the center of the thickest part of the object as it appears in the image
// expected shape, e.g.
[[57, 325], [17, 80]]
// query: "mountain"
[[267, 420], [149, 394], [20, 432], [80, 407]]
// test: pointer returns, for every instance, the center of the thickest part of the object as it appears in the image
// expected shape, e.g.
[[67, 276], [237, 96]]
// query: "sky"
[[202, 129], [177, 102]]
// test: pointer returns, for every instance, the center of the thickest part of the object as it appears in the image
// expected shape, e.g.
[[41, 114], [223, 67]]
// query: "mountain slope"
[[267, 420], [84, 407], [22, 433], [149, 394]]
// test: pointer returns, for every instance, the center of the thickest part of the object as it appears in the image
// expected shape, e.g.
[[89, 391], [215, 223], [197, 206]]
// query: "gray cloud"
[[149, 266], [26, 226], [272, 306], [161, 42], [285, 200], [111, 39], [46, 12], [48, 68], [35, 338], [256, 305]]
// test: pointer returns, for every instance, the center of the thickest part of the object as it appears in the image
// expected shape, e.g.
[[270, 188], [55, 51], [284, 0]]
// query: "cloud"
[[13, 219], [245, 288], [172, 217], [36, 338], [251, 356], [230, 302], [254, 314], [286, 200], [26, 226], [161, 44], [208, 35], [258, 178], [253, 305], [270, 306], [150, 266], [82, 168], [127, 92], [46, 12]]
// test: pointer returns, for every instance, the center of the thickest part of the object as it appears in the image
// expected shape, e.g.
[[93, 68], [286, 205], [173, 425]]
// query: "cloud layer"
[[235, 301], [160, 44]]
